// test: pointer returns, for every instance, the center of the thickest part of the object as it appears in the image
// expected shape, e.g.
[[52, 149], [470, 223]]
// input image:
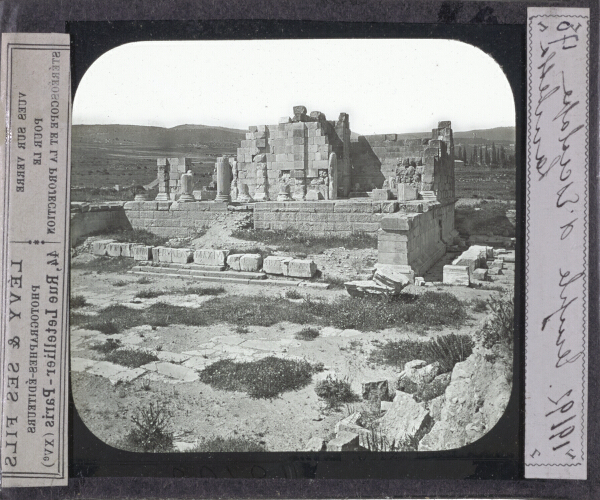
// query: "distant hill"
[[198, 135], [195, 135]]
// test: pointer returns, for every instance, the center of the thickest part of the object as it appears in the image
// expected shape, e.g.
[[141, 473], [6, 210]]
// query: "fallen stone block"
[[364, 435], [233, 261], [393, 276], [275, 265], [376, 389], [352, 419], [127, 249], [419, 281], [142, 252], [386, 405], [181, 255], [156, 253], [456, 275], [344, 441], [113, 249], [165, 254], [480, 274], [210, 257], [509, 257], [381, 194], [299, 268], [420, 374], [405, 421], [367, 287], [250, 262], [100, 247], [315, 444]]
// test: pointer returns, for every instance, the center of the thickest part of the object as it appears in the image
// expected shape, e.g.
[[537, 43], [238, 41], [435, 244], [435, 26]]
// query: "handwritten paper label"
[[35, 93], [557, 244]]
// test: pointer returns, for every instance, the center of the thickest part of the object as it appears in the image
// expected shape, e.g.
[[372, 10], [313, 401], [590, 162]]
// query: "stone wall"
[[173, 219], [295, 153], [376, 158], [339, 217], [416, 239], [91, 218]]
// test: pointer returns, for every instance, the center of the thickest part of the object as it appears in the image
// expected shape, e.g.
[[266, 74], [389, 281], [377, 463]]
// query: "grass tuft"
[[77, 301], [307, 334], [447, 350], [107, 347], [265, 378], [150, 433], [130, 358], [336, 392]]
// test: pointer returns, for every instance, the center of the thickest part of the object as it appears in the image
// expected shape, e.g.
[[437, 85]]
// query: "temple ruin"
[[307, 174]]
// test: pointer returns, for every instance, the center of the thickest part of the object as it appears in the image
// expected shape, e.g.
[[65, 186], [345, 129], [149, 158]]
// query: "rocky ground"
[[106, 395]]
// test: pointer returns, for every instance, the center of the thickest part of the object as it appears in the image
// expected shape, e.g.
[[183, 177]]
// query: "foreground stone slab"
[[181, 255], [165, 254], [396, 277], [81, 364], [275, 265], [344, 441], [100, 247], [299, 268], [127, 375], [210, 257], [142, 252], [315, 444], [366, 287], [480, 274], [251, 262], [456, 275], [405, 420], [181, 373], [377, 389]]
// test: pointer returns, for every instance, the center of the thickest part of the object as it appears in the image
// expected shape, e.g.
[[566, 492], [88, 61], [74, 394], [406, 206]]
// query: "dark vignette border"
[[497, 454]]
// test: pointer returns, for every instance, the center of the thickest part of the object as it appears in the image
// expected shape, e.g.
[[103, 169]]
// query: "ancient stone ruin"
[[306, 174]]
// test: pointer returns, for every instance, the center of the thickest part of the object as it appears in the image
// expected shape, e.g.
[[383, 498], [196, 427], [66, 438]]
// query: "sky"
[[386, 86]]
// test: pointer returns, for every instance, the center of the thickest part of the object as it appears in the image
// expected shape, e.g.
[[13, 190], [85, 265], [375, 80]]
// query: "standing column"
[[163, 180], [223, 179]]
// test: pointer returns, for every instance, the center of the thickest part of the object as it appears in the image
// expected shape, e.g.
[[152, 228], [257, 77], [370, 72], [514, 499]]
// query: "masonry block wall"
[[339, 217], [418, 239], [173, 219], [90, 218], [295, 152], [376, 158]]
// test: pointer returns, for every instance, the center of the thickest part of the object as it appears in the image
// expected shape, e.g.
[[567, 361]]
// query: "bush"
[[108, 346], [336, 392], [498, 329], [479, 305], [227, 445], [292, 294], [265, 378], [307, 334], [151, 431], [77, 301], [446, 349], [130, 358], [106, 326]]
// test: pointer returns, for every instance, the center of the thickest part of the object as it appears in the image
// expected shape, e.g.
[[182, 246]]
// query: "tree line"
[[485, 156]]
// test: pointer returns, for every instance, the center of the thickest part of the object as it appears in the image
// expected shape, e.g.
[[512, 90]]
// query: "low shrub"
[[498, 329], [307, 334], [120, 283], [130, 358], [293, 294], [479, 305], [446, 349], [227, 445], [336, 392], [150, 433], [77, 301], [262, 379], [107, 347], [105, 326]]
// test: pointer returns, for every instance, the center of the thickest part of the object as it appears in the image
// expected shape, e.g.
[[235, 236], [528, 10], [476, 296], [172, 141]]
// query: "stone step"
[[225, 277], [187, 270]]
